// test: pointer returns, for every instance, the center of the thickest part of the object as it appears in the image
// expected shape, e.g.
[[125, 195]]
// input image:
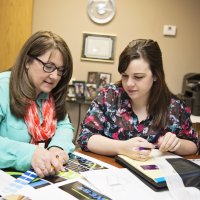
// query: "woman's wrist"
[[121, 146], [186, 147], [54, 147]]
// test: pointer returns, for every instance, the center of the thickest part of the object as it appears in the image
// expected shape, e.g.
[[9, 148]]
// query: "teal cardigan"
[[15, 148]]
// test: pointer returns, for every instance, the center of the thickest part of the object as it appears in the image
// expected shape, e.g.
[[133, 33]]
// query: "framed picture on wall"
[[79, 89], [98, 47], [93, 77], [104, 79], [91, 91]]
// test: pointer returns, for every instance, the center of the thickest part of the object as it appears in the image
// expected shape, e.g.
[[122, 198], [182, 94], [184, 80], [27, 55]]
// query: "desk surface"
[[111, 160], [107, 159]]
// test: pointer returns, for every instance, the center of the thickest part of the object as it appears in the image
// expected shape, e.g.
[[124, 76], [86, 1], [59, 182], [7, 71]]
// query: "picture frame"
[[91, 91], [79, 89], [104, 79], [71, 96], [93, 77], [98, 47]]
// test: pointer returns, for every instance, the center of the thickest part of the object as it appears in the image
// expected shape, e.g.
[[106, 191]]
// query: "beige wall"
[[134, 19]]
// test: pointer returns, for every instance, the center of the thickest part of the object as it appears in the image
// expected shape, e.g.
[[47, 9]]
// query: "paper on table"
[[4, 180], [122, 184], [196, 161], [54, 191], [175, 183]]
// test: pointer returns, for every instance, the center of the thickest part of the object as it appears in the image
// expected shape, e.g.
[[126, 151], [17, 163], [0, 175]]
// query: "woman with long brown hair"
[[33, 109], [139, 113]]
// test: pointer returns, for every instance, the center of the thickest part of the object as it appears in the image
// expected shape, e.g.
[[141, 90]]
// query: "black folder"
[[188, 171]]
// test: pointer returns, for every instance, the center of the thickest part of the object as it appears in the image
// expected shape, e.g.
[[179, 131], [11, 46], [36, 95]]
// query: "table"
[[111, 160], [146, 192], [107, 159]]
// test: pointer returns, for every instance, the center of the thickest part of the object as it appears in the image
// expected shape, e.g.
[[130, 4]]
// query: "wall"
[[134, 19]]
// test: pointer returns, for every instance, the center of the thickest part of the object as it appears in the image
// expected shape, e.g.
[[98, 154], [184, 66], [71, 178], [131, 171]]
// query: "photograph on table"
[[81, 191], [91, 91], [79, 89], [104, 79], [93, 77]]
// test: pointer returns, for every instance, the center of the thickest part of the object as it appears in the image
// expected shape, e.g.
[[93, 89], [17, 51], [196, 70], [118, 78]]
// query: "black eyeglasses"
[[50, 67]]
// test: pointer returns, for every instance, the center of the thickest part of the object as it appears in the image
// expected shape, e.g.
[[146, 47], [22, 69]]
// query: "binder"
[[158, 185], [188, 171]]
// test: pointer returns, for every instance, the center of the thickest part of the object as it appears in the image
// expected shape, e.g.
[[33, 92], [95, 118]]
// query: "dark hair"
[[22, 90], [160, 95]]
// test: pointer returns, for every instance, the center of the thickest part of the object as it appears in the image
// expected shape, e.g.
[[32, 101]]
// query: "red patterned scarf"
[[47, 129]]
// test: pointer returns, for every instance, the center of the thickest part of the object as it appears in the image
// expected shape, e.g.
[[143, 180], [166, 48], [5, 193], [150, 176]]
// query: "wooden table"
[[111, 160], [107, 159]]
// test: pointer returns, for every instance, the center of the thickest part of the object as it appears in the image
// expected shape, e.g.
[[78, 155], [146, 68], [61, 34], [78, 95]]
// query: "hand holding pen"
[[166, 141], [48, 162], [136, 148]]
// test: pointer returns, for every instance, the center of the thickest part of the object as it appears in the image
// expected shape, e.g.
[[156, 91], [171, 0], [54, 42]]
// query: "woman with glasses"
[[33, 112], [139, 113]]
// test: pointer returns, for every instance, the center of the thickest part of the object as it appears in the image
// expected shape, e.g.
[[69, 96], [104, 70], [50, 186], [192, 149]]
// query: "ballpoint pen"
[[153, 141]]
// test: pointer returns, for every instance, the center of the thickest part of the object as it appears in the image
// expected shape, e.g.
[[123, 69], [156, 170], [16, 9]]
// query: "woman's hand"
[[169, 142], [48, 162], [136, 148], [60, 156], [42, 162]]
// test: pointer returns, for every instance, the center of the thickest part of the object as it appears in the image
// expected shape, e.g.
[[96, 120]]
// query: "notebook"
[[150, 173], [147, 171]]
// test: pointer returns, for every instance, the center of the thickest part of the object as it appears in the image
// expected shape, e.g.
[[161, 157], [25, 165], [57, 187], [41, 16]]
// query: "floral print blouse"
[[110, 114]]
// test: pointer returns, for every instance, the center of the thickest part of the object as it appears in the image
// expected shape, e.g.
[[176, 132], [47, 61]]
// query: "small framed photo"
[[98, 47], [79, 89], [71, 93], [93, 77], [104, 79], [91, 91]]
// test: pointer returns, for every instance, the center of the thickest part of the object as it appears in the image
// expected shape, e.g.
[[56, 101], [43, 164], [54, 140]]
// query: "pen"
[[155, 139], [144, 148]]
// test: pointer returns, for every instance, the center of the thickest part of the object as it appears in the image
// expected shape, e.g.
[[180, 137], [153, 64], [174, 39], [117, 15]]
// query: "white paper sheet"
[[5, 179], [121, 184], [196, 161], [53, 192]]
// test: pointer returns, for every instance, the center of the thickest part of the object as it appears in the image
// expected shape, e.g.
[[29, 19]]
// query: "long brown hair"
[[22, 90], [160, 95]]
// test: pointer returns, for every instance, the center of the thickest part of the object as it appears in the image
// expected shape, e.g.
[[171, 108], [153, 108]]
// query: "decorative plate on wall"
[[101, 11]]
